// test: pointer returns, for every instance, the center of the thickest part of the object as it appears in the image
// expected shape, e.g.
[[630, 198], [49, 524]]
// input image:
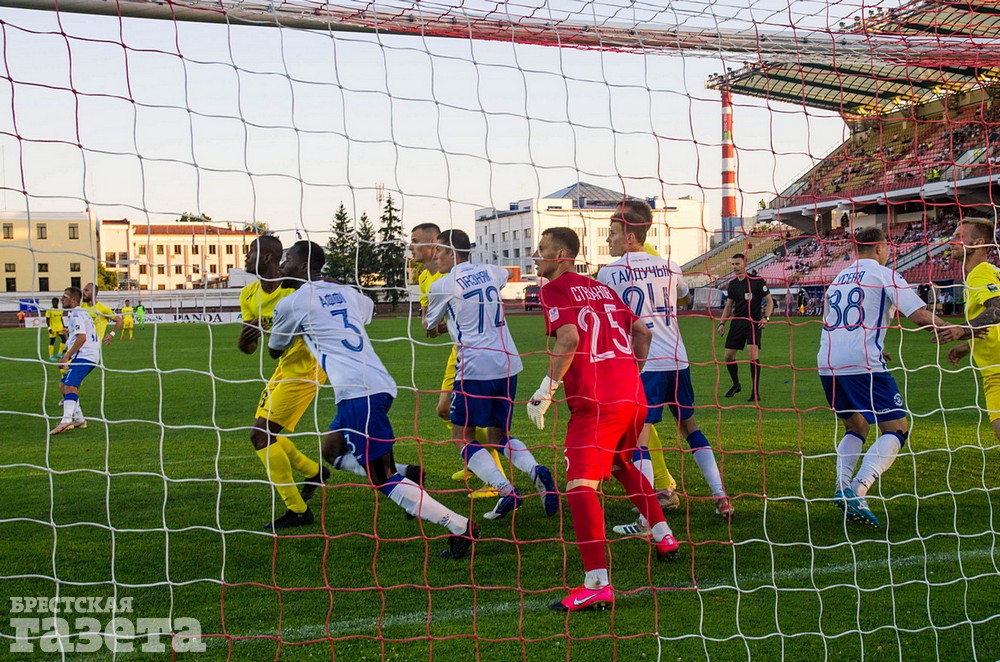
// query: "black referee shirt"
[[747, 296]]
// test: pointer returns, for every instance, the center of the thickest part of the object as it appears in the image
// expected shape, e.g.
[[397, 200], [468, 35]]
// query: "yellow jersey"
[[425, 280], [100, 314], [981, 285], [649, 249], [256, 304], [53, 317], [127, 313]]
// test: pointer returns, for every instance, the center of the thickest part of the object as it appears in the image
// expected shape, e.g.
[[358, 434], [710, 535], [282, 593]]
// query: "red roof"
[[189, 229]]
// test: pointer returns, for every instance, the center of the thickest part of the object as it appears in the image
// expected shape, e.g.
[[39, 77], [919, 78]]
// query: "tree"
[[341, 250], [366, 266], [259, 228], [188, 217], [106, 279], [392, 255]]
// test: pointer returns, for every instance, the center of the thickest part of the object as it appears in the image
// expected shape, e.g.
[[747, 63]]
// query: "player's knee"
[[259, 438], [471, 448], [902, 436]]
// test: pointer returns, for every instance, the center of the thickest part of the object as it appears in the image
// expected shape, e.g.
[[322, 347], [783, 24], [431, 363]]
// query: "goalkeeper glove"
[[541, 401]]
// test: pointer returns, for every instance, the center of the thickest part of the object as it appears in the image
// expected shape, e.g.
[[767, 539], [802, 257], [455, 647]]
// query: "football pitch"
[[161, 500]]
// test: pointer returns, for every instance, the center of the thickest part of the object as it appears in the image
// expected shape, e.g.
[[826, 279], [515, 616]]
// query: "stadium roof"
[[595, 196], [917, 72]]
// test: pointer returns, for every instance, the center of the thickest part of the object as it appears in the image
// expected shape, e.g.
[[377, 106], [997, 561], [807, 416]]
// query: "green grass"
[[161, 497]]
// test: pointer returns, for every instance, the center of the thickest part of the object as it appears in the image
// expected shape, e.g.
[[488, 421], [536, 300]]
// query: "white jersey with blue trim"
[[468, 298], [331, 318], [856, 315], [650, 286], [79, 322]]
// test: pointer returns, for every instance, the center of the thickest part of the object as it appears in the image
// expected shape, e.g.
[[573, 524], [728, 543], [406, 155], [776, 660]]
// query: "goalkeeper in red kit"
[[598, 350]]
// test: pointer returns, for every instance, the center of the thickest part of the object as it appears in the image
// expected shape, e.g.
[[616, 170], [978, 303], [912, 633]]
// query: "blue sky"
[[246, 123]]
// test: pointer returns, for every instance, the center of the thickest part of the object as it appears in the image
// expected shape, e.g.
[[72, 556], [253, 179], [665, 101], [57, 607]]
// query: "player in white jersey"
[[651, 286], [81, 357], [852, 367], [467, 297], [331, 318]]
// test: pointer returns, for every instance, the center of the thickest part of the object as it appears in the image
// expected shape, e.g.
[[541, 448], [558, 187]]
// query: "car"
[[532, 298]]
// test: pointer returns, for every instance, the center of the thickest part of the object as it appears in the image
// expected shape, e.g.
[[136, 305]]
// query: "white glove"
[[541, 401]]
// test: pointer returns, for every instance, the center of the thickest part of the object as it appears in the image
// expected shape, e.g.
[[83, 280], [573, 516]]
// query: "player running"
[[468, 299], [331, 319], [80, 359]]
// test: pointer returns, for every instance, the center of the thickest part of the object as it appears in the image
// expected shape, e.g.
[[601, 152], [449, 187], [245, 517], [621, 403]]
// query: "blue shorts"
[[366, 427], [77, 372], [671, 388], [483, 403], [874, 395]]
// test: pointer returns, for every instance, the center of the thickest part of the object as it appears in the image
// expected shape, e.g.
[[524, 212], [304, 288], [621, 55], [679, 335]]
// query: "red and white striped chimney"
[[728, 158]]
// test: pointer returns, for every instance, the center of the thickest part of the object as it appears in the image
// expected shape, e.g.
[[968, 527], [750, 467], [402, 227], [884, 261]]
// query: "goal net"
[[145, 146]]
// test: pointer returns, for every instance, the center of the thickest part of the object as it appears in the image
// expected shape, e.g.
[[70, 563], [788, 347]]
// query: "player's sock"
[[734, 373], [705, 458], [299, 461], [77, 411], [661, 531], [52, 350], [662, 479], [62, 348], [347, 462], [755, 377], [877, 461], [588, 525], [640, 458], [596, 578], [640, 493], [520, 456], [481, 463], [279, 471], [418, 503], [496, 460], [70, 403], [848, 454]]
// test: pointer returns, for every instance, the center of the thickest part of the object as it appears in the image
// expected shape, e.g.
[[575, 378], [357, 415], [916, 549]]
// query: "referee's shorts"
[[742, 333]]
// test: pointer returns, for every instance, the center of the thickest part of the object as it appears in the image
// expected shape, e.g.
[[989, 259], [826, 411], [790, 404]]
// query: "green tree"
[[392, 255], [366, 272], [258, 227], [342, 248], [188, 217], [106, 279]]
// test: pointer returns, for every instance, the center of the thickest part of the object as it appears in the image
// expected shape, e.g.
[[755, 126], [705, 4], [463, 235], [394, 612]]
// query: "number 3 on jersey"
[[342, 313], [843, 316]]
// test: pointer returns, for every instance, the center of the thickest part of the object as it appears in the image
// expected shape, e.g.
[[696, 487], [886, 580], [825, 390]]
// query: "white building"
[[682, 229]]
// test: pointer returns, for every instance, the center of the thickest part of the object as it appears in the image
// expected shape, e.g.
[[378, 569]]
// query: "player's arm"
[[641, 338], [437, 306], [78, 340], [768, 306], [988, 317], [563, 351], [283, 329], [249, 335], [726, 312], [683, 291]]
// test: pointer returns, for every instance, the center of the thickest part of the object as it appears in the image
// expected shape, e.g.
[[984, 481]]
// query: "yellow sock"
[[299, 461], [62, 348], [279, 471], [52, 351], [662, 480]]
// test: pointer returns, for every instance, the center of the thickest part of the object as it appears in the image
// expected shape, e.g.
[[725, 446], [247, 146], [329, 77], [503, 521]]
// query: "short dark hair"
[[983, 228], [428, 227], [564, 238], [311, 250], [640, 208], [74, 293], [866, 239], [268, 243], [632, 222], [55, 301], [739, 256], [458, 241]]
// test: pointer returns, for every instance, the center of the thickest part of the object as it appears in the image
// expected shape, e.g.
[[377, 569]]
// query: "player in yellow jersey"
[[128, 318], [57, 331], [974, 239], [100, 313], [291, 389], [423, 240]]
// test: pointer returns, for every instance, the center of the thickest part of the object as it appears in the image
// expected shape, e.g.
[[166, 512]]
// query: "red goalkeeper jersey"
[[603, 371]]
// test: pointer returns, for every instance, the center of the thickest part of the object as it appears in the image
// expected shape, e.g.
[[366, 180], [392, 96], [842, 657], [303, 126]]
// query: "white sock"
[[596, 578], [848, 453], [418, 503], [401, 468], [710, 470], [645, 467], [77, 413], [482, 464], [69, 406], [347, 462], [661, 531], [520, 456], [877, 461]]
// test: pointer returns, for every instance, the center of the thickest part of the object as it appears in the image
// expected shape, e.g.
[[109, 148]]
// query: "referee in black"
[[749, 304]]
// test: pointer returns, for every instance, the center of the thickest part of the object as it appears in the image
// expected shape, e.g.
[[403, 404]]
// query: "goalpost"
[[471, 115]]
